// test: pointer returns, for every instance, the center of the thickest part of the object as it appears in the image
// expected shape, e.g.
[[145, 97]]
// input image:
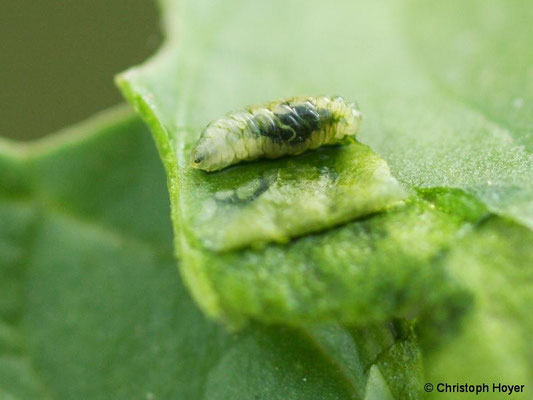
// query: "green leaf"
[[91, 306], [428, 138], [276, 200], [495, 263], [376, 388], [441, 125], [202, 73]]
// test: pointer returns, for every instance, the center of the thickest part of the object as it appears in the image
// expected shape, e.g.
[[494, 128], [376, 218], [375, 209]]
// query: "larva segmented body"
[[275, 129]]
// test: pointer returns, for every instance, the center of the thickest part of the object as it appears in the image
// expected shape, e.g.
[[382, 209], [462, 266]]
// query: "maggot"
[[286, 127]]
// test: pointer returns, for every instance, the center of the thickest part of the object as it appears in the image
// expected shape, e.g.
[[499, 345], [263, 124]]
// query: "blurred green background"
[[58, 59]]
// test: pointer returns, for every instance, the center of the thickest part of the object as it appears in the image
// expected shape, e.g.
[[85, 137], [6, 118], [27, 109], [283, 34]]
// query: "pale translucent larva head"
[[213, 151]]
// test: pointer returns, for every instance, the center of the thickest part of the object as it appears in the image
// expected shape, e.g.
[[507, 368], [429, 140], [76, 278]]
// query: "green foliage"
[[91, 306], [437, 264], [464, 165]]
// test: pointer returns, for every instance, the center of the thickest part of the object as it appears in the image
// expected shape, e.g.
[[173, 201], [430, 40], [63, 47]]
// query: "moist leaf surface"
[[90, 302], [91, 307], [462, 136], [428, 137]]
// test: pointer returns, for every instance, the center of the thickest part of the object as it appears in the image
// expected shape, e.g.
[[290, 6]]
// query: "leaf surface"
[[91, 306], [458, 139], [428, 137]]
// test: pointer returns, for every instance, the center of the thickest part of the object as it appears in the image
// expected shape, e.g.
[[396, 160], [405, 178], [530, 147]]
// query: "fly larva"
[[287, 127]]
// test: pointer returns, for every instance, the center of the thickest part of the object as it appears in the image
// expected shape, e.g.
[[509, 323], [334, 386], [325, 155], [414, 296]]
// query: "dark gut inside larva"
[[294, 126]]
